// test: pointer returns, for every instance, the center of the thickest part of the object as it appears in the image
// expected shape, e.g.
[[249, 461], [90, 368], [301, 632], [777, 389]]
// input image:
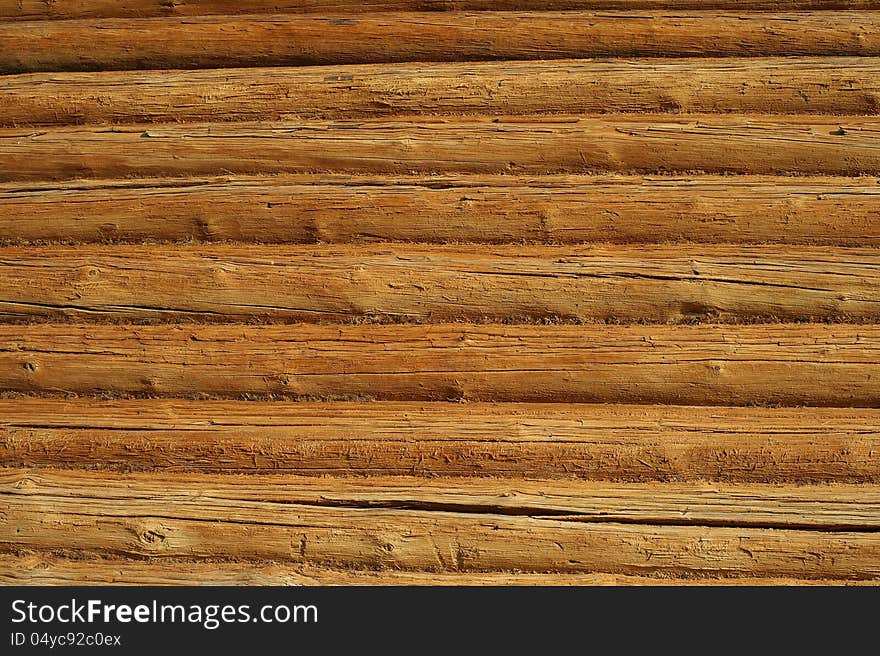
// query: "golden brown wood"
[[327, 138], [817, 365], [834, 85], [826, 507], [227, 41], [59, 9], [637, 443], [491, 209], [624, 143], [224, 283], [48, 569], [801, 531]]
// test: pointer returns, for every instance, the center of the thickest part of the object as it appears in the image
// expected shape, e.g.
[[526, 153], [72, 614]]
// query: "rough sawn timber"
[[785, 85], [804, 364], [589, 441], [48, 569], [758, 530], [224, 283], [528, 145], [339, 38], [837, 211]]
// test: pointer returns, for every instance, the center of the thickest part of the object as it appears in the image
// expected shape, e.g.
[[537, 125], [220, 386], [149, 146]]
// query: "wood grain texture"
[[224, 283], [809, 532], [836, 211], [841, 508], [228, 41], [784, 85], [619, 143], [66, 9], [48, 569], [589, 441], [466, 293], [816, 365]]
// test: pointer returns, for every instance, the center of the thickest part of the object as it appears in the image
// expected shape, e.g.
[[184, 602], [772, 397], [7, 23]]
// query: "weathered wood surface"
[[785, 85], [635, 443], [557, 197], [761, 531], [66, 9], [48, 569], [836, 211], [228, 41], [558, 144], [827, 507], [816, 365], [223, 283]]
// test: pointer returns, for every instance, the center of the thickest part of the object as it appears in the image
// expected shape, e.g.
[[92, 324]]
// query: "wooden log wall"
[[417, 292]]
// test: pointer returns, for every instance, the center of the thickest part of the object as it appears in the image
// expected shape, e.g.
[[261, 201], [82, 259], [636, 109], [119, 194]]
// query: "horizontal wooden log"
[[623, 143], [795, 531], [66, 9], [223, 283], [480, 209], [634, 443], [834, 85], [838, 507], [277, 40], [816, 365], [48, 569]]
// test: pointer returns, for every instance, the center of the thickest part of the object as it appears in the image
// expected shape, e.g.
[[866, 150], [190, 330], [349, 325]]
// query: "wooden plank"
[[590, 441], [222, 283], [66, 9], [784, 85], [48, 569], [795, 531], [479, 209], [623, 143], [822, 507], [279, 40], [816, 365]]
